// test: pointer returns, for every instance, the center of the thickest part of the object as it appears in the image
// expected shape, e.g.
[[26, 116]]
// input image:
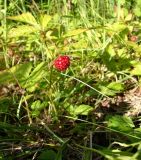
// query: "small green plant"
[[70, 79]]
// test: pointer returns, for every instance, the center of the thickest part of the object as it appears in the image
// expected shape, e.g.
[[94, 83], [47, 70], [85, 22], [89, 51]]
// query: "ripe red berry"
[[61, 63]]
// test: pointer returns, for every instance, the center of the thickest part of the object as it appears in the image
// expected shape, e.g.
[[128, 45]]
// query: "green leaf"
[[21, 71], [116, 27], [35, 77], [75, 32], [44, 20], [26, 18], [22, 30], [111, 51], [17, 73], [47, 155], [37, 105], [134, 46], [37, 70], [136, 70], [117, 86], [82, 109], [70, 109], [111, 89], [35, 113], [5, 76], [107, 91], [137, 11], [120, 123]]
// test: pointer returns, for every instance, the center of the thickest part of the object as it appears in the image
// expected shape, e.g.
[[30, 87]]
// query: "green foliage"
[[120, 123], [110, 89], [79, 110], [37, 107], [35, 77], [16, 73], [74, 32], [137, 8], [26, 18], [137, 69], [22, 30], [105, 65]]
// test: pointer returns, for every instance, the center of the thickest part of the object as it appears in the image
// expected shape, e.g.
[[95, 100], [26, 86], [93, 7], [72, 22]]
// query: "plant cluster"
[[70, 75]]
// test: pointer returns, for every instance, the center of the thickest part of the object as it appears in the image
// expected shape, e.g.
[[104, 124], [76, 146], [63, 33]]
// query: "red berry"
[[61, 63], [134, 38]]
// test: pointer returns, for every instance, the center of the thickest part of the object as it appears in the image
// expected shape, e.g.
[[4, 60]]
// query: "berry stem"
[[85, 84]]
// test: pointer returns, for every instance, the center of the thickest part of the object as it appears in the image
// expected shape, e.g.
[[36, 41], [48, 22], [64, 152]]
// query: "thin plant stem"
[[102, 126], [52, 133], [85, 84], [23, 5]]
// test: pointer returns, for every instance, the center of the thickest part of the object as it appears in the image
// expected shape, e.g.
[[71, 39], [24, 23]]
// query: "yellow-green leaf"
[[75, 32], [17, 73], [116, 86], [23, 30], [44, 20], [82, 109], [133, 45], [136, 70], [105, 90], [25, 17], [36, 75]]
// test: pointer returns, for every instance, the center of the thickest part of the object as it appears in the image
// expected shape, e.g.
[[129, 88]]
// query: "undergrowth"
[[88, 109]]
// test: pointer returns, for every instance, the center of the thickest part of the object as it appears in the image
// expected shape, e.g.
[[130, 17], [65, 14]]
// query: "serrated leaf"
[[22, 30], [82, 109], [75, 32], [26, 18], [44, 20], [115, 122], [35, 105]]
